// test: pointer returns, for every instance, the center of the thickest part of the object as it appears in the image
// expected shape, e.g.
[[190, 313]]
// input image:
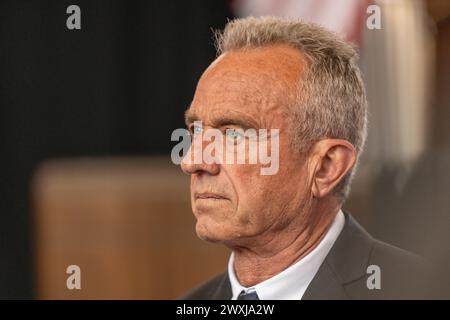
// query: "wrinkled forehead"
[[257, 81]]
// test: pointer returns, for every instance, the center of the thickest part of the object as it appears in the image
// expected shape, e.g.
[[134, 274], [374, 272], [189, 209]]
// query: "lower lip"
[[211, 198]]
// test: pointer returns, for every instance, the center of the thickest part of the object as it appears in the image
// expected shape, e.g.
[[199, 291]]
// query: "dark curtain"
[[118, 86]]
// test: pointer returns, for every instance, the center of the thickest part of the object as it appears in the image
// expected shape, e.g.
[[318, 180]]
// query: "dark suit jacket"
[[344, 275]]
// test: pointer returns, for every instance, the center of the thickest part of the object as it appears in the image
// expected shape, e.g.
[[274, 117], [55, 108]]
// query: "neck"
[[255, 264]]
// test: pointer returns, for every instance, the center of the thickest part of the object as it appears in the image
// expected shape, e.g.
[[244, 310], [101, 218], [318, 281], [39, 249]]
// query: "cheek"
[[255, 203], [243, 180]]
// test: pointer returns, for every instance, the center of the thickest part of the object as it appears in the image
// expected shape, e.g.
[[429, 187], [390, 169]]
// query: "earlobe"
[[335, 158]]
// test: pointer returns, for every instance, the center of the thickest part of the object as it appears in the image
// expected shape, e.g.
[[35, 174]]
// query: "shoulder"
[[393, 256], [403, 274], [391, 273], [366, 268]]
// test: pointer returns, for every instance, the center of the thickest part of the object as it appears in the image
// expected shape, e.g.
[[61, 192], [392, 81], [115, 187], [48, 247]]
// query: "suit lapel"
[[346, 262], [325, 286], [223, 290]]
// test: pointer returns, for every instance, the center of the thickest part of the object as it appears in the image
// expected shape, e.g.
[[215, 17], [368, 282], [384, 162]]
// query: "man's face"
[[235, 202]]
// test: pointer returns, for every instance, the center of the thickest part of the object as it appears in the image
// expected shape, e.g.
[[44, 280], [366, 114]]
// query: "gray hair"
[[331, 100]]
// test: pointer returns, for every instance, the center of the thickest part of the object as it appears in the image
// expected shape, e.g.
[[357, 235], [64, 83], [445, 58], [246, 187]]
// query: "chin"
[[211, 231]]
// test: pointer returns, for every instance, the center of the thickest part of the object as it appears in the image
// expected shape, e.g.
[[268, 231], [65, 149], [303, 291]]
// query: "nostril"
[[187, 166]]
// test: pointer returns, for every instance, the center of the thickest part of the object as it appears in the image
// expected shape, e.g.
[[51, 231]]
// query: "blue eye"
[[233, 134], [197, 130]]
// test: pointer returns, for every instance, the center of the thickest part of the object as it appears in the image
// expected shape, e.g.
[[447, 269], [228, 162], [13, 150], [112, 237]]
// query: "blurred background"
[[85, 123]]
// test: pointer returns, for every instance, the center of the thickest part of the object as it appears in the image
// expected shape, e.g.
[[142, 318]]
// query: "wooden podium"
[[127, 223]]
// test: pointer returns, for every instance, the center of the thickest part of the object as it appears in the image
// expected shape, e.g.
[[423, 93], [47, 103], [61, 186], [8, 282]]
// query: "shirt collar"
[[291, 283]]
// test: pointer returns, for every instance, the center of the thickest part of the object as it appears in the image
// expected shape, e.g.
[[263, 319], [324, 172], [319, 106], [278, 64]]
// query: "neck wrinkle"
[[251, 268]]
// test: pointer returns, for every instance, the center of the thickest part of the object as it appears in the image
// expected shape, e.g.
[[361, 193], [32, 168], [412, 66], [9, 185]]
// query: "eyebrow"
[[240, 121], [190, 117]]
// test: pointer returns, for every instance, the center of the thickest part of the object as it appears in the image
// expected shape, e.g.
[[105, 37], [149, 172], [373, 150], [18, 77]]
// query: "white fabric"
[[292, 282]]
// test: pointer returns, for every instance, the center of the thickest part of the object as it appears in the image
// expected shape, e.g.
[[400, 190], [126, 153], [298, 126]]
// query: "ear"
[[333, 159]]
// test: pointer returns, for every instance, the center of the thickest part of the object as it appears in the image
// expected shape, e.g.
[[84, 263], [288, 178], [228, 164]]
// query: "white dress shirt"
[[291, 283]]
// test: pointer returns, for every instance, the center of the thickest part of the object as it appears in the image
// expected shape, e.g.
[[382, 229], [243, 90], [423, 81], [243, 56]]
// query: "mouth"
[[208, 196]]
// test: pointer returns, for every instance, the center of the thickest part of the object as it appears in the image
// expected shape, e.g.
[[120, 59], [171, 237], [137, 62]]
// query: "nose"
[[194, 162]]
